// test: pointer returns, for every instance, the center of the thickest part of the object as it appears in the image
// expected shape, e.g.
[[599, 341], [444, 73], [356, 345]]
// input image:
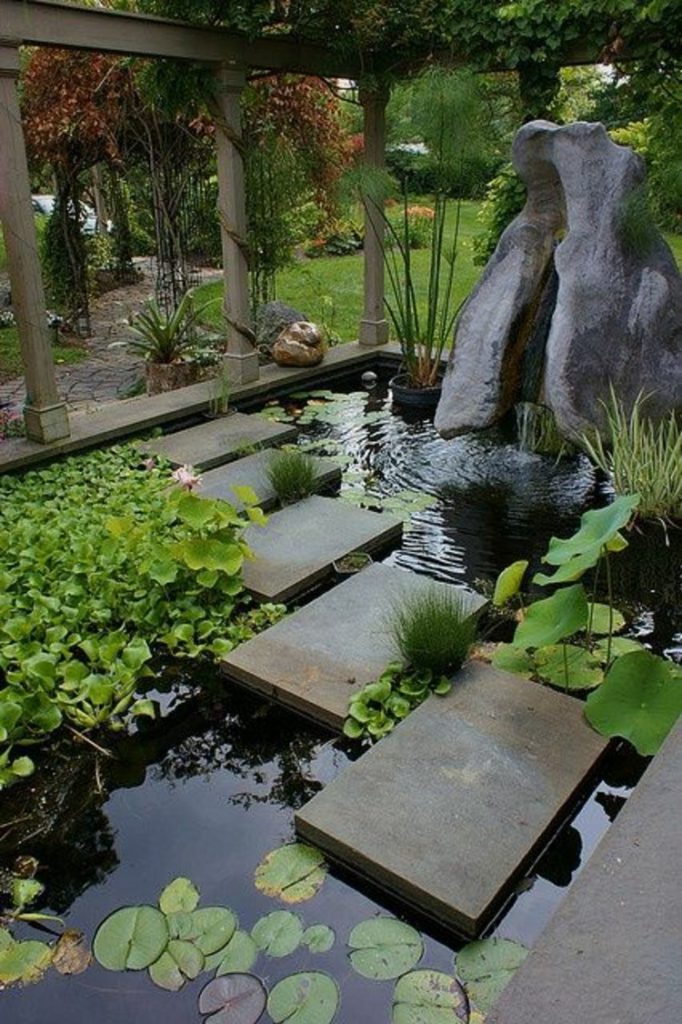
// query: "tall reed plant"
[[641, 456]]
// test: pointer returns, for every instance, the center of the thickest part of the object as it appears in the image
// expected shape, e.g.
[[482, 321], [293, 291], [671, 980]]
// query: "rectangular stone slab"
[[296, 549], [252, 472], [448, 810], [219, 440], [314, 659]]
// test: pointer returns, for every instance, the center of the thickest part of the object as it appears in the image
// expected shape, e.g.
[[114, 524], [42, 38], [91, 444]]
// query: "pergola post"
[[374, 326], [241, 357], [44, 412]]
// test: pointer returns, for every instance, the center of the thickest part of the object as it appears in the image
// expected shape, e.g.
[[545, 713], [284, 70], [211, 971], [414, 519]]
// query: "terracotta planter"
[[405, 394], [162, 377]]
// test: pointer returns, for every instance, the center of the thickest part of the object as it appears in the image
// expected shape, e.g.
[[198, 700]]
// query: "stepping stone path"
[[296, 549], [314, 659], [252, 472], [220, 440], [447, 811]]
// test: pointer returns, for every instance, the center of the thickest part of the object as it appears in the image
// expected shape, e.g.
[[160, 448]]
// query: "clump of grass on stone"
[[292, 475], [433, 630]]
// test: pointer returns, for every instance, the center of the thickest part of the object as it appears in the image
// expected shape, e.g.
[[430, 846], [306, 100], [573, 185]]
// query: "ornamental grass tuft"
[[292, 475], [433, 630]]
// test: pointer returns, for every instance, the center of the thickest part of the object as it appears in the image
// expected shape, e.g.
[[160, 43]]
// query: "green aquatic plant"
[[375, 710], [433, 629], [642, 455], [293, 873], [382, 948], [292, 475], [486, 967]]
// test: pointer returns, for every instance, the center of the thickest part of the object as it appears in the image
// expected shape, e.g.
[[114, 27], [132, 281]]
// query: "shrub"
[[292, 475], [505, 198], [419, 226], [433, 630]]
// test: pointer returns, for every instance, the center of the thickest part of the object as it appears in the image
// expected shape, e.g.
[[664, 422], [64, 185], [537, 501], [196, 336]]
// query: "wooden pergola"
[[230, 56]]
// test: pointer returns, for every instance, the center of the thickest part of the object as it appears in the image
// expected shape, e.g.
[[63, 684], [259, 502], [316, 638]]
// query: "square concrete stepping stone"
[[447, 811], [314, 659], [252, 471], [295, 550], [219, 440]]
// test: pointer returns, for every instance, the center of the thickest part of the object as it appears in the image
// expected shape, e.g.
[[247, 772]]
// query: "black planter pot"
[[418, 398]]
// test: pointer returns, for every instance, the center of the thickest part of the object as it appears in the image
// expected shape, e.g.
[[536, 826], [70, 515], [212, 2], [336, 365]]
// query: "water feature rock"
[[299, 344], [617, 315], [272, 318]]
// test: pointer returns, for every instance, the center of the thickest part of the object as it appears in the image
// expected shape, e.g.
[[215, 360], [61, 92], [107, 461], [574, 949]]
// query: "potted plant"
[[166, 341]]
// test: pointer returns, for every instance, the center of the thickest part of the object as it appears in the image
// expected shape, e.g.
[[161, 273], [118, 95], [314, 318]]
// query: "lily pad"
[[513, 659], [131, 938], [553, 618], [619, 645], [306, 998], [429, 997], [71, 954], [239, 955], [233, 999], [180, 895], [181, 961], [599, 614], [279, 933], [292, 873], [319, 938], [509, 583], [383, 948], [640, 700], [486, 967], [24, 961], [568, 666], [213, 928]]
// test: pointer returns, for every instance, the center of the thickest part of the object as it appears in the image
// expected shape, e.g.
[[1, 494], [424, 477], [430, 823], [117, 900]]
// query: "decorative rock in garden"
[[271, 319], [299, 344], [617, 316]]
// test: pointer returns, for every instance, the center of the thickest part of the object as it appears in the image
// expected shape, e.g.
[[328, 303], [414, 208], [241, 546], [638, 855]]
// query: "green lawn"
[[329, 289], [10, 359]]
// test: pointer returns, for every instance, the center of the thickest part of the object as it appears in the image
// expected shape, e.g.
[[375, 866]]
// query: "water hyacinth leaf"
[[213, 927], [509, 582], [569, 666], [239, 955], [513, 659], [71, 954], [486, 967], [279, 933], [131, 938], [233, 999], [429, 997], [383, 948], [306, 998], [600, 617], [180, 895], [24, 961], [319, 938], [352, 729], [598, 528], [292, 873], [553, 618], [640, 700]]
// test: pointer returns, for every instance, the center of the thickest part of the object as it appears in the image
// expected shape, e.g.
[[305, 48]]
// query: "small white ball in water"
[[369, 378]]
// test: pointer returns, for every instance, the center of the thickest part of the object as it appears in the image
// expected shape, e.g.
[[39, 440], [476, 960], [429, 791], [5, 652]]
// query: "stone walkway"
[[110, 371]]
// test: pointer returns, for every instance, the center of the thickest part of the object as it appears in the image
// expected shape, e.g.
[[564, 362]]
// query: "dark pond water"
[[212, 787]]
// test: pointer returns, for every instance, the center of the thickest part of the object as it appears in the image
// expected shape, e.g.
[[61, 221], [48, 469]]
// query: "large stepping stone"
[[252, 471], [314, 659], [296, 549], [449, 810], [219, 440]]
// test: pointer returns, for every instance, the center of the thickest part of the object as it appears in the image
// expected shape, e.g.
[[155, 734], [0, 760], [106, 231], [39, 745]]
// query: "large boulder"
[[299, 344], [271, 319], [581, 294]]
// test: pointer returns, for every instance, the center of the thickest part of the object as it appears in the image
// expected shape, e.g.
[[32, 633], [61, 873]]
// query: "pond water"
[[211, 787]]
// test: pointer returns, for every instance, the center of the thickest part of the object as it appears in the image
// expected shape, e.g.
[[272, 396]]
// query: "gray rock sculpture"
[[581, 294]]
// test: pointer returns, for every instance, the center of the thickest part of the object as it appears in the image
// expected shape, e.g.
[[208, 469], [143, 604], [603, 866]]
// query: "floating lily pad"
[[233, 999], [292, 873], [319, 938], [306, 998], [213, 928], [24, 961], [599, 614], [568, 666], [486, 967], [71, 954], [513, 659], [553, 618], [180, 895], [429, 997], [383, 948], [181, 925], [640, 700], [131, 938], [239, 955], [279, 933], [619, 645], [181, 961]]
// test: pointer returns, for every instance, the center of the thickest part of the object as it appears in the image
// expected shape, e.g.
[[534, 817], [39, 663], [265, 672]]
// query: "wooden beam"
[[46, 23]]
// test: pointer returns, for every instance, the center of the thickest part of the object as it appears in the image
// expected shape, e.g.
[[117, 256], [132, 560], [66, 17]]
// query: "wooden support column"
[[241, 357], [374, 326], [44, 412]]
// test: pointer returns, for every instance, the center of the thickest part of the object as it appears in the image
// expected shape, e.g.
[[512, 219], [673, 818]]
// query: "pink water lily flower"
[[186, 477], [149, 464]]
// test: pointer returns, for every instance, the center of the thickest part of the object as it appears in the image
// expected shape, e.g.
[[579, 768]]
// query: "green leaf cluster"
[[375, 710], [100, 562]]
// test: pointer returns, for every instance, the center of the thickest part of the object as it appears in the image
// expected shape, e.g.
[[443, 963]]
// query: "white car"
[[44, 205]]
